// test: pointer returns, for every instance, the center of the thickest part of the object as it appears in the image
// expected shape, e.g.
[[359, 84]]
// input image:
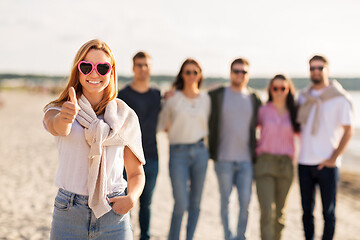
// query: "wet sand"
[[28, 168]]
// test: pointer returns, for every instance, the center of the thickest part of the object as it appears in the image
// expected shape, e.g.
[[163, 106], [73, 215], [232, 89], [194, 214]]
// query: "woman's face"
[[279, 90], [191, 74], [93, 84]]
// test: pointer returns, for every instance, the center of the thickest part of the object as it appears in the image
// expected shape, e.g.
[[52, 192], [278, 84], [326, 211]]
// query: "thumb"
[[72, 95], [321, 166]]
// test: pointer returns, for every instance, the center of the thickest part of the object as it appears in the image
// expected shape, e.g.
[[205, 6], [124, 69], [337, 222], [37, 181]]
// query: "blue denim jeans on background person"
[[240, 175], [187, 168], [151, 169], [327, 179], [73, 219]]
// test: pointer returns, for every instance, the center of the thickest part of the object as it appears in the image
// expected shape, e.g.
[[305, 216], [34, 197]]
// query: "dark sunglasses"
[[188, 72], [316, 68], [88, 67], [237, 71], [141, 65], [275, 89]]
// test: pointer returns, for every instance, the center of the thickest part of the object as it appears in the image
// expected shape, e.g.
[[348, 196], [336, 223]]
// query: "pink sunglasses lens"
[[85, 68], [103, 68]]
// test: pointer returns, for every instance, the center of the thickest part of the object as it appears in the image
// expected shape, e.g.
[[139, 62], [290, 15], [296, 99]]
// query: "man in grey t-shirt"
[[232, 142]]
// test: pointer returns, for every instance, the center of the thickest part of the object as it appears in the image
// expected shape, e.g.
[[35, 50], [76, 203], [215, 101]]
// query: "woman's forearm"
[[135, 175], [55, 125], [135, 186]]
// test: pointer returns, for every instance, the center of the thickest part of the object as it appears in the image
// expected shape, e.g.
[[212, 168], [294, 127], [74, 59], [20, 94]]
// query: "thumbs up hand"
[[72, 95], [70, 108]]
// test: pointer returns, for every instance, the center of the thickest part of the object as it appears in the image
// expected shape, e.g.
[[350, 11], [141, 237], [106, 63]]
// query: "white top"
[[334, 114], [186, 119], [73, 169]]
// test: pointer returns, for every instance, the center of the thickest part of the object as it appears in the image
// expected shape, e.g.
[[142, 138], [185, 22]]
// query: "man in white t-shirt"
[[325, 115]]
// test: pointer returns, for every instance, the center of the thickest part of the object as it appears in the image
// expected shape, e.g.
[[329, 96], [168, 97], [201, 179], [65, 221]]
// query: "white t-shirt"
[[187, 118], [73, 169], [334, 114]]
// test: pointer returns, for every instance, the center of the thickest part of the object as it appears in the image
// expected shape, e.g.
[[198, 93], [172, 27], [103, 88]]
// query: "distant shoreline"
[[349, 83]]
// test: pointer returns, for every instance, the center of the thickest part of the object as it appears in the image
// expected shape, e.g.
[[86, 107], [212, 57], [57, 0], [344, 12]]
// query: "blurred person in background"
[[184, 117], [232, 142], [325, 115], [275, 151], [145, 100]]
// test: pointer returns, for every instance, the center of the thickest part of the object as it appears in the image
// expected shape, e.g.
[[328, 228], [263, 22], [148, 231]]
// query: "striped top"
[[276, 132]]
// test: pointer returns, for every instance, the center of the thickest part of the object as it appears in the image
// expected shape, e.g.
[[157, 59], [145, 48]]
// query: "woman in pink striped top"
[[275, 151]]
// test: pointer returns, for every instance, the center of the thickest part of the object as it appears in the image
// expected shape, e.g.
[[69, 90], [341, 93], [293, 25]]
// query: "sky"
[[278, 36]]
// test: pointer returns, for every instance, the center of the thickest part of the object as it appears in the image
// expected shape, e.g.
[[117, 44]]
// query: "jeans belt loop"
[[72, 199]]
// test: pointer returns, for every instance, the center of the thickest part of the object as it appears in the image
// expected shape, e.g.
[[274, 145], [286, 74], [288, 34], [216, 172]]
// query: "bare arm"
[[164, 120], [331, 162], [58, 122], [136, 181], [57, 125]]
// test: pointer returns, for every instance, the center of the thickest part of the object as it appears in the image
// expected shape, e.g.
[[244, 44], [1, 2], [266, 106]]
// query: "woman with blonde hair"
[[275, 150], [185, 119], [97, 136]]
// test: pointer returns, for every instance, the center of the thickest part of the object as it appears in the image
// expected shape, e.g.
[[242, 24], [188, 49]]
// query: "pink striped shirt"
[[277, 135]]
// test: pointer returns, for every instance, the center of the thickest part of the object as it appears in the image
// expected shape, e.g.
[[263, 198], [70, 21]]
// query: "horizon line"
[[164, 75]]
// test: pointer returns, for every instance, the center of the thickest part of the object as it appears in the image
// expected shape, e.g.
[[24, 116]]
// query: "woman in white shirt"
[[97, 136], [185, 118]]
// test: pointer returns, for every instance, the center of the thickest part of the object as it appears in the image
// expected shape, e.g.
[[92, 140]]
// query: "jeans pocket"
[[291, 170], [264, 166], [205, 152], [260, 167], [61, 204], [111, 203], [175, 148], [286, 168], [114, 212]]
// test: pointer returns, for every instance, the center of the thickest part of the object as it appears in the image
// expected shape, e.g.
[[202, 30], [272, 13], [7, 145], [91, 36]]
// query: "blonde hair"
[[110, 91]]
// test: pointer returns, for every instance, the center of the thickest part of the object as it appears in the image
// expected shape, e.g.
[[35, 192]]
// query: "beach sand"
[[28, 168]]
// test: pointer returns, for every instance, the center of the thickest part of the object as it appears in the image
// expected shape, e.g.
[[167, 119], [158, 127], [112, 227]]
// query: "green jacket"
[[217, 97]]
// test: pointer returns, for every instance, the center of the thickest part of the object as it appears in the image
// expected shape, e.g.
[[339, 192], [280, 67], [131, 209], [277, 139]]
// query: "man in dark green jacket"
[[232, 142]]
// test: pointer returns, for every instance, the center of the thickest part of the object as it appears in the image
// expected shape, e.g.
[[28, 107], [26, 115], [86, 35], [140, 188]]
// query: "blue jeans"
[[187, 167], [151, 169], [73, 219], [240, 175], [327, 179]]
